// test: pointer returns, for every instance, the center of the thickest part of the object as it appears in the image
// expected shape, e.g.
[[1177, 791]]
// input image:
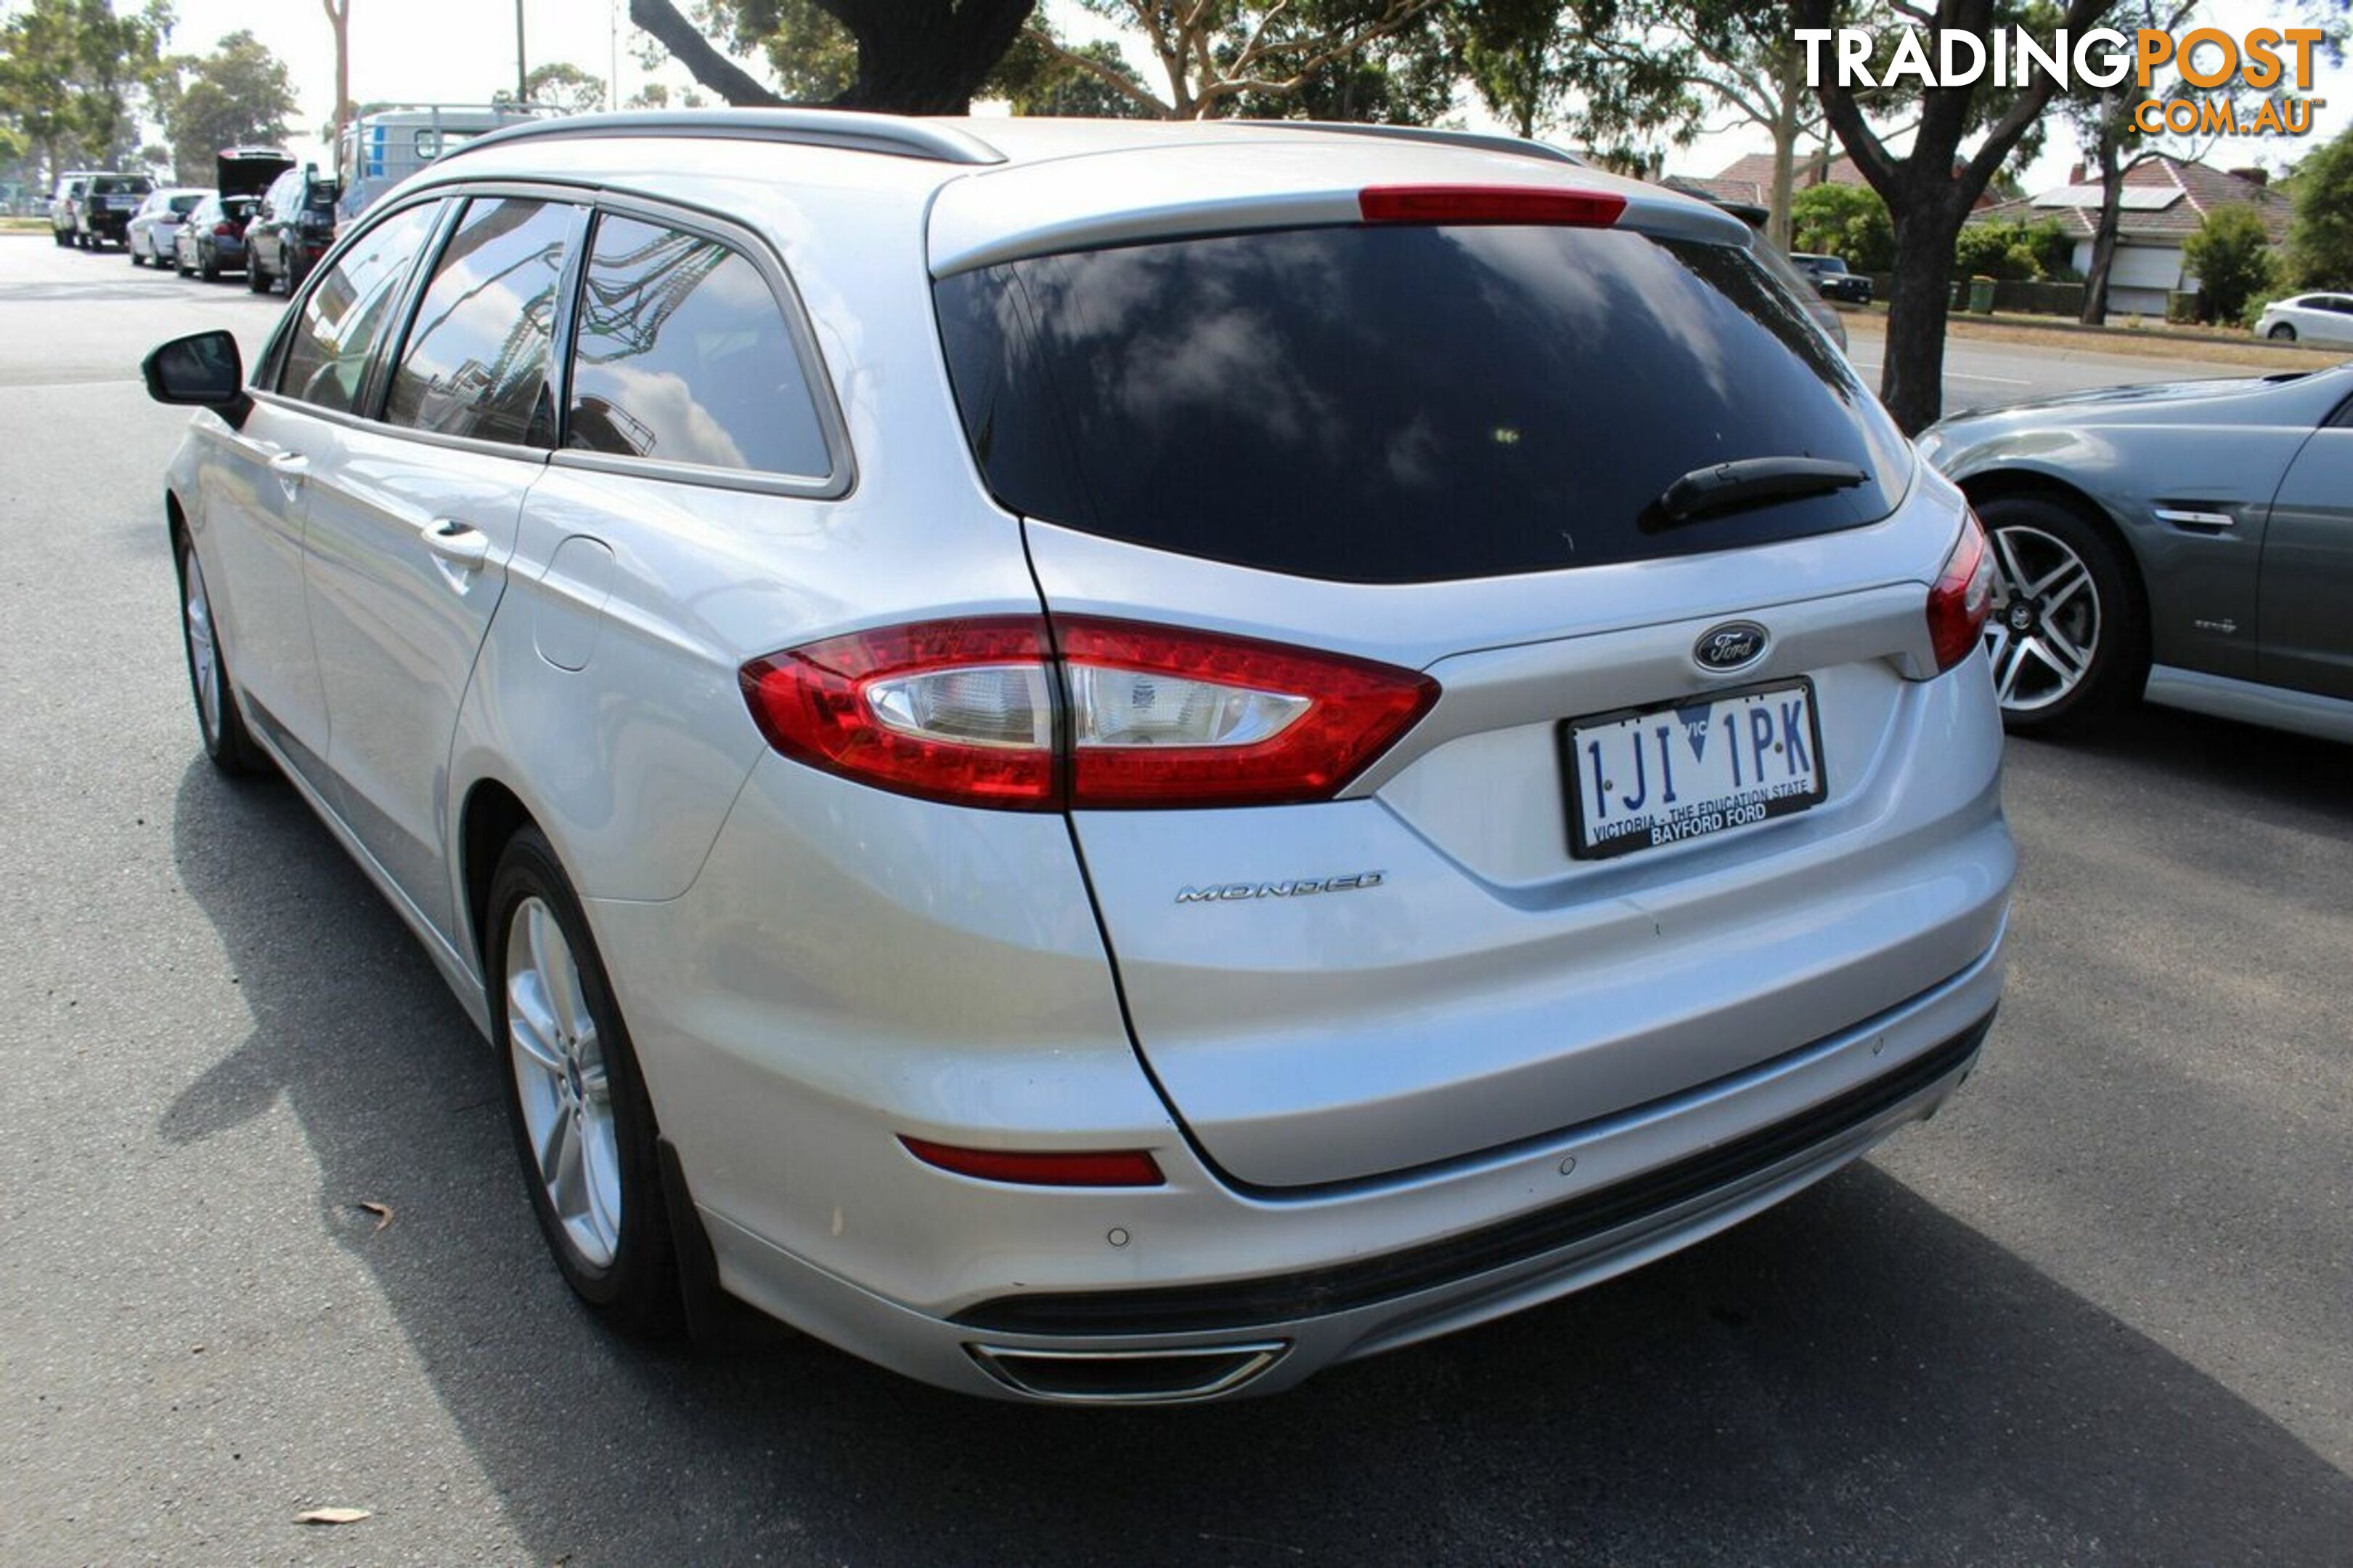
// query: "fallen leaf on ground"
[[383, 1213], [332, 1516]]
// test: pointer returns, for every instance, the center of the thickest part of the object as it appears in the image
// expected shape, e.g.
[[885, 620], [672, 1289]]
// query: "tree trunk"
[[1784, 172], [1912, 370], [339, 17], [2104, 234]]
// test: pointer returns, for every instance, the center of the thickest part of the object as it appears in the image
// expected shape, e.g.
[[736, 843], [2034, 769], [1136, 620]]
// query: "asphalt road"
[[1984, 372], [2101, 1311]]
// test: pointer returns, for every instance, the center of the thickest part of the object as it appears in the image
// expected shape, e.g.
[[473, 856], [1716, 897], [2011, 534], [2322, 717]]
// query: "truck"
[[385, 143]]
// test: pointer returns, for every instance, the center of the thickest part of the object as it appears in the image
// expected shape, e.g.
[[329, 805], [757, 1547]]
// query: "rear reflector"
[[1058, 1168], [1963, 596], [1487, 205], [986, 713]]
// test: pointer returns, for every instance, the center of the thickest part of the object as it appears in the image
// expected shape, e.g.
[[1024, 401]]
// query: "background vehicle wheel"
[[210, 268], [584, 1128], [255, 277], [2282, 331], [227, 740], [2067, 636], [61, 238], [136, 259]]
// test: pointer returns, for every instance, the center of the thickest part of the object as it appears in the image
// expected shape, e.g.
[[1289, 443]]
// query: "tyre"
[[584, 1128], [133, 246], [209, 267], [63, 237], [255, 277], [178, 265], [227, 740], [2067, 635], [2282, 331]]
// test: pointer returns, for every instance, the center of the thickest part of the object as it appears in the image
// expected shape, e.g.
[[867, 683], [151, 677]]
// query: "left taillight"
[[224, 230], [991, 711], [1962, 596]]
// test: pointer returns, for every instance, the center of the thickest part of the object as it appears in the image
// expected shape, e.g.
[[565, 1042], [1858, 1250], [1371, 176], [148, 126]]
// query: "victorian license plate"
[[1641, 778]]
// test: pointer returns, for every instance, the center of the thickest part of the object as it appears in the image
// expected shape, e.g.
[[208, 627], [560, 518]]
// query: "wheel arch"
[[2003, 484], [492, 815]]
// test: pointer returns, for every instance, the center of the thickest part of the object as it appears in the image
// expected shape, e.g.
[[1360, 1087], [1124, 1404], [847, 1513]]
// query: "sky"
[[464, 50]]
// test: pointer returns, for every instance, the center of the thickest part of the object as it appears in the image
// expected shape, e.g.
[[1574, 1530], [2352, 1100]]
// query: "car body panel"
[[2307, 579]]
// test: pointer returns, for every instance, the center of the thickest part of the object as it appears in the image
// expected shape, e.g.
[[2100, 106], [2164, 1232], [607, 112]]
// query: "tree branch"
[[1134, 93], [708, 65]]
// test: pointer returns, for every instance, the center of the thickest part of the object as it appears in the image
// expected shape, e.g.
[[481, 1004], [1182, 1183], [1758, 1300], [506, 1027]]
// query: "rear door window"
[[1404, 403], [348, 313], [683, 355], [476, 356]]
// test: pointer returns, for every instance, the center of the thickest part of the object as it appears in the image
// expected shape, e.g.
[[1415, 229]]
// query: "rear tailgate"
[[1441, 450]]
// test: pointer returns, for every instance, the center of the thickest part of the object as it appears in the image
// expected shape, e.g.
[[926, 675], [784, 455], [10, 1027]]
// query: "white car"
[[2308, 318], [155, 227]]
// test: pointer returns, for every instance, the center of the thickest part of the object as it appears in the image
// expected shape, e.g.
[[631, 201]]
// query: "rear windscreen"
[[1404, 403], [134, 187], [184, 206]]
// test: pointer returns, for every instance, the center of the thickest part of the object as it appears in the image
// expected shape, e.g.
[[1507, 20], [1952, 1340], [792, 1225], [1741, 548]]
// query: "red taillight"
[[955, 732], [1300, 724], [1488, 203], [225, 231], [1959, 604], [980, 712], [1057, 1168]]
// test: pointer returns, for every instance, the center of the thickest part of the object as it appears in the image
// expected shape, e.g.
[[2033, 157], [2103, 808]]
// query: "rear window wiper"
[[1752, 481]]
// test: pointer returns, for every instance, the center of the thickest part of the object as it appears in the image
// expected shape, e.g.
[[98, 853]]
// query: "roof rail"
[[848, 130], [1483, 141]]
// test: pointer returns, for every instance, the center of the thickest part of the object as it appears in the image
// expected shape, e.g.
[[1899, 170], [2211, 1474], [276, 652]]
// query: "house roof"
[[2164, 200], [1749, 177]]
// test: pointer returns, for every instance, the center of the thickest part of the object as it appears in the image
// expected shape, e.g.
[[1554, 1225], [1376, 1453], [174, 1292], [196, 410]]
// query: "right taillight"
[[1963, 596], [1106, 714]]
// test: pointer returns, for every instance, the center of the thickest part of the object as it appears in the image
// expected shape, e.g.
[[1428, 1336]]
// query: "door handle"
[[460, 544], [290, 467]]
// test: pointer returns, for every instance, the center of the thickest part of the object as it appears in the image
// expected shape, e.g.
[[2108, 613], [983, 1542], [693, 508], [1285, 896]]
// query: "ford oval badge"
[[1735, 645]]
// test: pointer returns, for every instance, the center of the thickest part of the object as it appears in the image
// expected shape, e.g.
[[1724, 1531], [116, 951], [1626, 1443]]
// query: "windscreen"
[[184, 206], [1404, 403]]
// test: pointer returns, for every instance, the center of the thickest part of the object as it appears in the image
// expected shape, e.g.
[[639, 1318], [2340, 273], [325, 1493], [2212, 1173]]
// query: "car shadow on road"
[[1856, 1375], [2272, 767]]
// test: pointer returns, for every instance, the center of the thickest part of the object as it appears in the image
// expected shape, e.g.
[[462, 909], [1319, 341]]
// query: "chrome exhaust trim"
[[1128, 1377]]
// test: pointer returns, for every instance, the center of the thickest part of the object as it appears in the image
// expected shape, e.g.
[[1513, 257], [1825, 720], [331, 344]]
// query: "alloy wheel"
[[2044, 629], [204, 651], [561, 1082]]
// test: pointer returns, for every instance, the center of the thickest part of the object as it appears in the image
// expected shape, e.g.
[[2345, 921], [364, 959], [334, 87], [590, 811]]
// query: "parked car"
[[943, 861], [2308, 318], [65, 213], [211, 240], [2190, 542], [1830, 275], [102, 212], [154, 229], [290, 229]]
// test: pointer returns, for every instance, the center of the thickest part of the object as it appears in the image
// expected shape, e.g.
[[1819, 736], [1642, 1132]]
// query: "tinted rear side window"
[[682, 356], [1403, 405], [476, 360]]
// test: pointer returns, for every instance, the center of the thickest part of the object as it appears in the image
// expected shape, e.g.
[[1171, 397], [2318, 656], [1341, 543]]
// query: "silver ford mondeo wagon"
[[1110, 761]]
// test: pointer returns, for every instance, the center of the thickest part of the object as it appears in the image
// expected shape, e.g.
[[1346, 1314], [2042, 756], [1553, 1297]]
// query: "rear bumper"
[[1255, 1293]]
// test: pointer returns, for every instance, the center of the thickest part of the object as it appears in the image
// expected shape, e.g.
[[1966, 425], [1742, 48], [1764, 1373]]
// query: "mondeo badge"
[[1735, 645]]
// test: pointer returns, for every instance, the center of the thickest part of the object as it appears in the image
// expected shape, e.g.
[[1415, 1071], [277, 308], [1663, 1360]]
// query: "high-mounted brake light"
[[1055, 1168], [1488, 204], [984, 712], [1963, 596]]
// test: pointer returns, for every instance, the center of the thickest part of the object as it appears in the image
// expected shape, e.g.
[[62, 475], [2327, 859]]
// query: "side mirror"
[[205, 370]]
